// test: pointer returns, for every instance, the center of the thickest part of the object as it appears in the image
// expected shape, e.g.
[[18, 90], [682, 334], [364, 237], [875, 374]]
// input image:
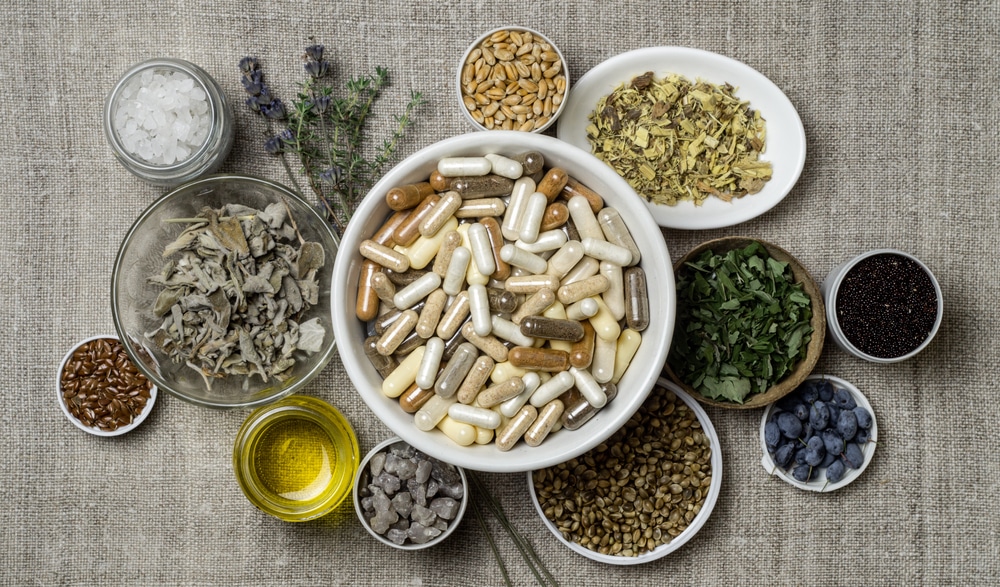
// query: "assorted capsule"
[[504, 300]]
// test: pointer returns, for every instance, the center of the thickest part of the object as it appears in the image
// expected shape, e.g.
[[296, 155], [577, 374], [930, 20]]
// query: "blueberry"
[[800, 455], [808, 391], [847, 424], [864, 417], [788, 402], [802, 473], [834, 413], [790, 426], [833, 442], [819, 415], [835, 472], [815, 451], [863, 436], [825, 390], [801, 411], [772, 435], [844, 399], [828, 460], [807, 431], [784, 455], [853, 456]]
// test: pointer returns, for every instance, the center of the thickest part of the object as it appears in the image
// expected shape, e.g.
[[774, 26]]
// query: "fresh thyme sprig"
[[326, 132]]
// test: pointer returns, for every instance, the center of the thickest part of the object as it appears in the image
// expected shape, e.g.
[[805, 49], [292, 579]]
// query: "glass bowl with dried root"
[[641, 494], [512, 78], [221, 292]]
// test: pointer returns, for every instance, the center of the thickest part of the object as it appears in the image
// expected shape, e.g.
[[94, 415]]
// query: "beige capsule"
[[508, 435], [475, 380], [454, 316], [489, 344], [500, 392], [542, 426], [430, 314], [396, 332]]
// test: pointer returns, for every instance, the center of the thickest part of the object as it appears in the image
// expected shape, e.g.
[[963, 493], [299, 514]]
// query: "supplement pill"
[[460, 433], [502, 301], [408, 230], [439, 182], [521, 258], [480, 417], [482, 251], [495, 233], [411, 342], [384, 256], [405, 278], [484, 186], [479, 309], [454, 277], [500, 392], [456, 370], [451, 241], [416, 291], [511, 225], [407, 196], [546, 241], [587, 267], [614, 297], [565, 259], [589, 387], [384, 289], [531, 161], [433, 410], [539, 359], [616, 232], [459, 166], [547, 418], [366, 306], [574, 188], [504, 371], [414, 398], [536, 303], [581, 354], [592, 286], [475, 379], [480, 208], [396, 332], [430, 363], [508, 435], [510, 332], [556, 215], [636, 299], [531, 218], [489, 344], [505, 166], [553, 182], [383, 364], [454, 316], [530, 283], [531, 382], [602, 250], [551, 389], [404, 375], [551, 328], [583, 218], [423, 250], [440, 214], [604, 323], [628, 344], [603, 366], [585, 308]]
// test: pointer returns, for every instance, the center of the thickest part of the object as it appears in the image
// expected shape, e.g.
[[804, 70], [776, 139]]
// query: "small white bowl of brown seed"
[[512, 78], [100, 390], [641, 494]]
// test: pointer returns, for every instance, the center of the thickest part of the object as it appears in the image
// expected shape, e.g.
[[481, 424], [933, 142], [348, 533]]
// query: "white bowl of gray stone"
[[407, 499]]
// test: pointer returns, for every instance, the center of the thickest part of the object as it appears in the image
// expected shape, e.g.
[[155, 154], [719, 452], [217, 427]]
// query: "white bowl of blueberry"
[[821, 436]]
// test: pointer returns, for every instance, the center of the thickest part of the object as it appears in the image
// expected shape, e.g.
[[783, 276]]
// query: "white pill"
[[602, 250], [481, 417], [531, 220], [602, 367], [505, 166], [479, 307], [507, 330], [583, 309], [431, 362], [523, 188], [586, 268], [416, 291], [482, 250], [549, 240], [565, 259], [512, 406], [588, 387], [520, 258], [583, 217], [436, 408], [614, 297], [459, 166], [454, 277], [552, 389]]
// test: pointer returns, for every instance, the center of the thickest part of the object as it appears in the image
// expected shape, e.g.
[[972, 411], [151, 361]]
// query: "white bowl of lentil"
[[636, 380], [784, 144], [579, 481], [512, 78], [99, 389]]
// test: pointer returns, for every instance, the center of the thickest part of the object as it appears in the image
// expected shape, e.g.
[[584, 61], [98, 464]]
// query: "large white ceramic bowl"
[[637, 381]]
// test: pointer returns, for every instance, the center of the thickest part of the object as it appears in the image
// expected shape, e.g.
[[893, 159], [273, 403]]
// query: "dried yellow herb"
[[674, 140]]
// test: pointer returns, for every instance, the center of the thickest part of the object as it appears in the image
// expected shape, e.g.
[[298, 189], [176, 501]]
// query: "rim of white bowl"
[[681, 539], [94, 429]]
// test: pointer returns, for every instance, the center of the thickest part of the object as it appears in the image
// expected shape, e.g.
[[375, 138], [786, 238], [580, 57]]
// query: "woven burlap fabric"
[[900, 112]]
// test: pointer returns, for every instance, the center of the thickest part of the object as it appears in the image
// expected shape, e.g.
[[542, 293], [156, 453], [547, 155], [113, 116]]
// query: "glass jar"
[[296, 459], [164, 128]]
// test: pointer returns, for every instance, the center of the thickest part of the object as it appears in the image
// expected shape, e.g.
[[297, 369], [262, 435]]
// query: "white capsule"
[[512, 406], [479, 307], [614, 296], [459, 166], [436, 408], [586, 268], [482, 250], [588, 387], [505, 166], [481, 417], [531, 220], [454, 277], [582, 310], [416, 291], [472, 275], [520, 258], [431, 362], [602, 367], [602, 250], [552, 388], [583, 217], [615, 230], [563, 260], [511, 226], [404, 374], [507, 330], [549, 240]]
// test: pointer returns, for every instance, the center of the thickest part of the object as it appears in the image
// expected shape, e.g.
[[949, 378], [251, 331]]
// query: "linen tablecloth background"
[[899, 103]]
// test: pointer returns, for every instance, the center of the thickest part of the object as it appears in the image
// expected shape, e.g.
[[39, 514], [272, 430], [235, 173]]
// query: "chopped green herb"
[[742, 323]]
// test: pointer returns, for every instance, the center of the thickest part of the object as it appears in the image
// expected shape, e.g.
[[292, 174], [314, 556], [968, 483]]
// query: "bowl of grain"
[[394, 336], [220, 292], [512, 78], [751, 323], [644, 492]]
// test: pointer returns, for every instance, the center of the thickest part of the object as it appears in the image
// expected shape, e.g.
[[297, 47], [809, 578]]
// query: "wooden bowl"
[[805, 366]]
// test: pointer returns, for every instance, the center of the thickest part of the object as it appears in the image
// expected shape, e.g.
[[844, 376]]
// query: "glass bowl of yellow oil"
[[296, 459]]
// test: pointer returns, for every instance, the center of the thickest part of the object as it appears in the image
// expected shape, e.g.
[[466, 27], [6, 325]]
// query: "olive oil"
[[294, 460]]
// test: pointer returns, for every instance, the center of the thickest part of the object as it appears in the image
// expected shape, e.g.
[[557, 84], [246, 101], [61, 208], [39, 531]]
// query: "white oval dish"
[[96, 431], [785, 144], [820, 484], [689, 532]]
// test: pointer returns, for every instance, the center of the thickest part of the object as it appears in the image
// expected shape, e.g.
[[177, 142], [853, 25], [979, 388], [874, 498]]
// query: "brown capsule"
[[408, 196], [551, 328], [366, 307], [496, 243], [531, 161], [538, 359], [408, 230], [383, 235], [582, 351], [383, 364], [439, 182], [414, 398], [575, 188], [501, 301], [482, 186], [553, 182], [406, 277], [556, 215]]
